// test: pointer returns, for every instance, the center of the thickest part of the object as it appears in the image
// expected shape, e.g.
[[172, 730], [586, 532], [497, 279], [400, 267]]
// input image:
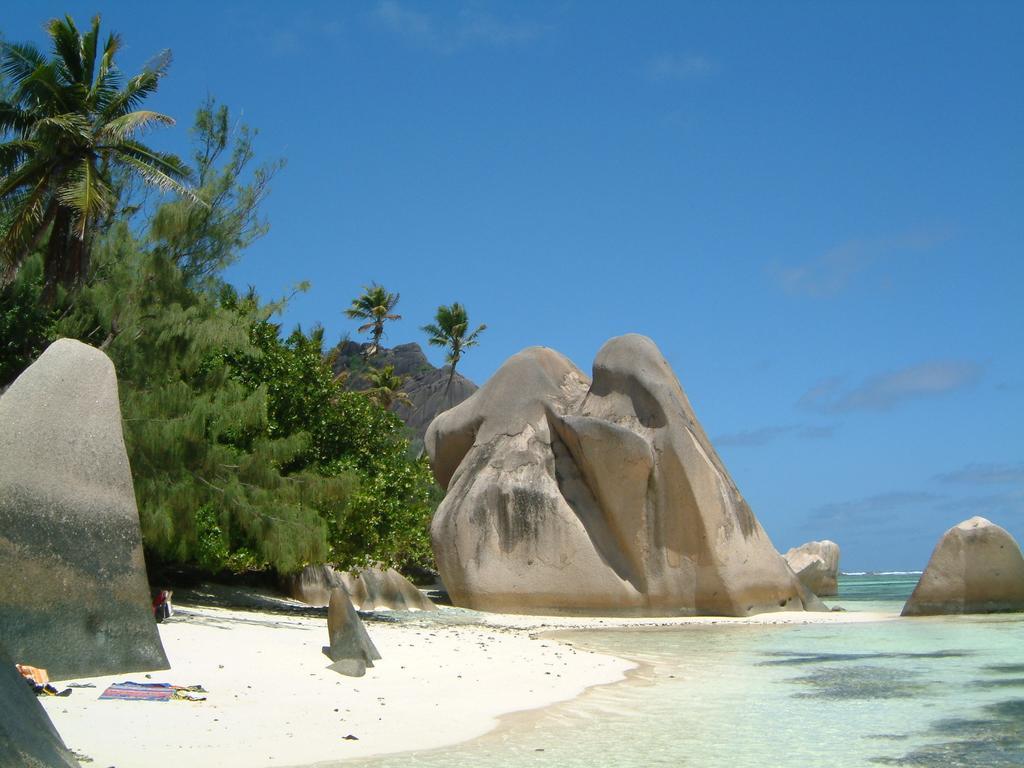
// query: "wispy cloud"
[[835, 270], [887, 390], [749, 437], [673, 66], [447, 33], [874, 508], [765, 435], [985, 474]]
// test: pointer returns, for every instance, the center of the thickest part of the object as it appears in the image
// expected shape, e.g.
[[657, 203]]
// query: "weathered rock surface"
[[816, 564], [73, 592], [313, 584], [426, 386], [571, 496], [976, 567], [27, 737], [351, 649], [370, 589]]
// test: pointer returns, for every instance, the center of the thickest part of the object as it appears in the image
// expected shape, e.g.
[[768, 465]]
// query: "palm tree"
[[68, 126], [375, 305], [386, 388], [449, 330]]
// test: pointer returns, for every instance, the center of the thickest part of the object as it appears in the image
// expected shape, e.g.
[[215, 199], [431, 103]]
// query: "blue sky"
[[815, 210]]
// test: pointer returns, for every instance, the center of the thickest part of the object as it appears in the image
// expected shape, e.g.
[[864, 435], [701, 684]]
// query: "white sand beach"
[[272, 701]]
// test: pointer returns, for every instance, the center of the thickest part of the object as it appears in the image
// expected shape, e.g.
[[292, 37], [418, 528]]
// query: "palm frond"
[[124, 127], [157, 178], [19, 61], [13, 119], [72, 125], [88, 48], [67, 45], [137, 89], [13, 153], [86, 193]]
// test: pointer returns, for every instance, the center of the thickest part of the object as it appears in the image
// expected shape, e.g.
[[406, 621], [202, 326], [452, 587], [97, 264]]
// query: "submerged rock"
[[816, 564], [571, 496], [976, 567], [351, 649], [73, 591], [27, 737]]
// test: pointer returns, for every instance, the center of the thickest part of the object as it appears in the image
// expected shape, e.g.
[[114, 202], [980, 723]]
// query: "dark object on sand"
[[27, 737], [73, 591], [351, 649]]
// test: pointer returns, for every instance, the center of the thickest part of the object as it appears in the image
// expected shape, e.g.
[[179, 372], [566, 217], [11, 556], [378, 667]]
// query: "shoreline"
[[445, 678]]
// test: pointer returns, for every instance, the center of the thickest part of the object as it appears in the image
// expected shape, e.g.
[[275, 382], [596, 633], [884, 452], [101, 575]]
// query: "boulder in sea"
[[816, 564], [372, 589], [976, 567], [351, 648], [27, 737], [603, 497], [73, 591]]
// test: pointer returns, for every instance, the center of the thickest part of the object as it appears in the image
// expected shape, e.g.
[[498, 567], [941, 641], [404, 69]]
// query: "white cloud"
[[672, 66], [890, 389], [447, 34], [839, 267]]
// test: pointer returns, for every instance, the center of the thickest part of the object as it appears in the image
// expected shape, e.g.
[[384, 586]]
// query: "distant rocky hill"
[[424, 384]]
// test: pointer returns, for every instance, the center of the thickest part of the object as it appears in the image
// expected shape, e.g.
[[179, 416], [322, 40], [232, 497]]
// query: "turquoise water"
[[921, 692]]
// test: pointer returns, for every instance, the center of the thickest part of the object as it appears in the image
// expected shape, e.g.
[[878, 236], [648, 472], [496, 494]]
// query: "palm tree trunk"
[[56, 267]]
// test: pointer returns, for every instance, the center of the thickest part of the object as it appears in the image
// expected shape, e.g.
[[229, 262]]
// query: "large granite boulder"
[[73, 592], [427, 387], [27, 737], [370, 589], [816, 564], [976, 567], [351, 648], [572, 496]]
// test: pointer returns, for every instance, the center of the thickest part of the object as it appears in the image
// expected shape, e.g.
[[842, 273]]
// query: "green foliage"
[[70, 122], [386, 387], [203, 240], [26, 324], [387, 517]]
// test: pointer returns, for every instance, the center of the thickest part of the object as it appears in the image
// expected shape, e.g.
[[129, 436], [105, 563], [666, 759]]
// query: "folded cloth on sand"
[[129, 691], [35, 674]]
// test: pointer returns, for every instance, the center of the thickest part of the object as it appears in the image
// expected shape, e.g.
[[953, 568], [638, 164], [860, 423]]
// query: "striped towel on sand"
[[129, 691]]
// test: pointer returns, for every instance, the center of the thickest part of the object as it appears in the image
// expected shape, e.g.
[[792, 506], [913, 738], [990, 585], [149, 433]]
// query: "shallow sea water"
[[921, 692]]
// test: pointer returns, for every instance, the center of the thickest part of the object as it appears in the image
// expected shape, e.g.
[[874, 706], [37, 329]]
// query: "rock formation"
[[370, 589], [571, 496], [73, 592], [27, 737], [976, 567], [816, 564], [351, 649], [426, 386], [313, 584]]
